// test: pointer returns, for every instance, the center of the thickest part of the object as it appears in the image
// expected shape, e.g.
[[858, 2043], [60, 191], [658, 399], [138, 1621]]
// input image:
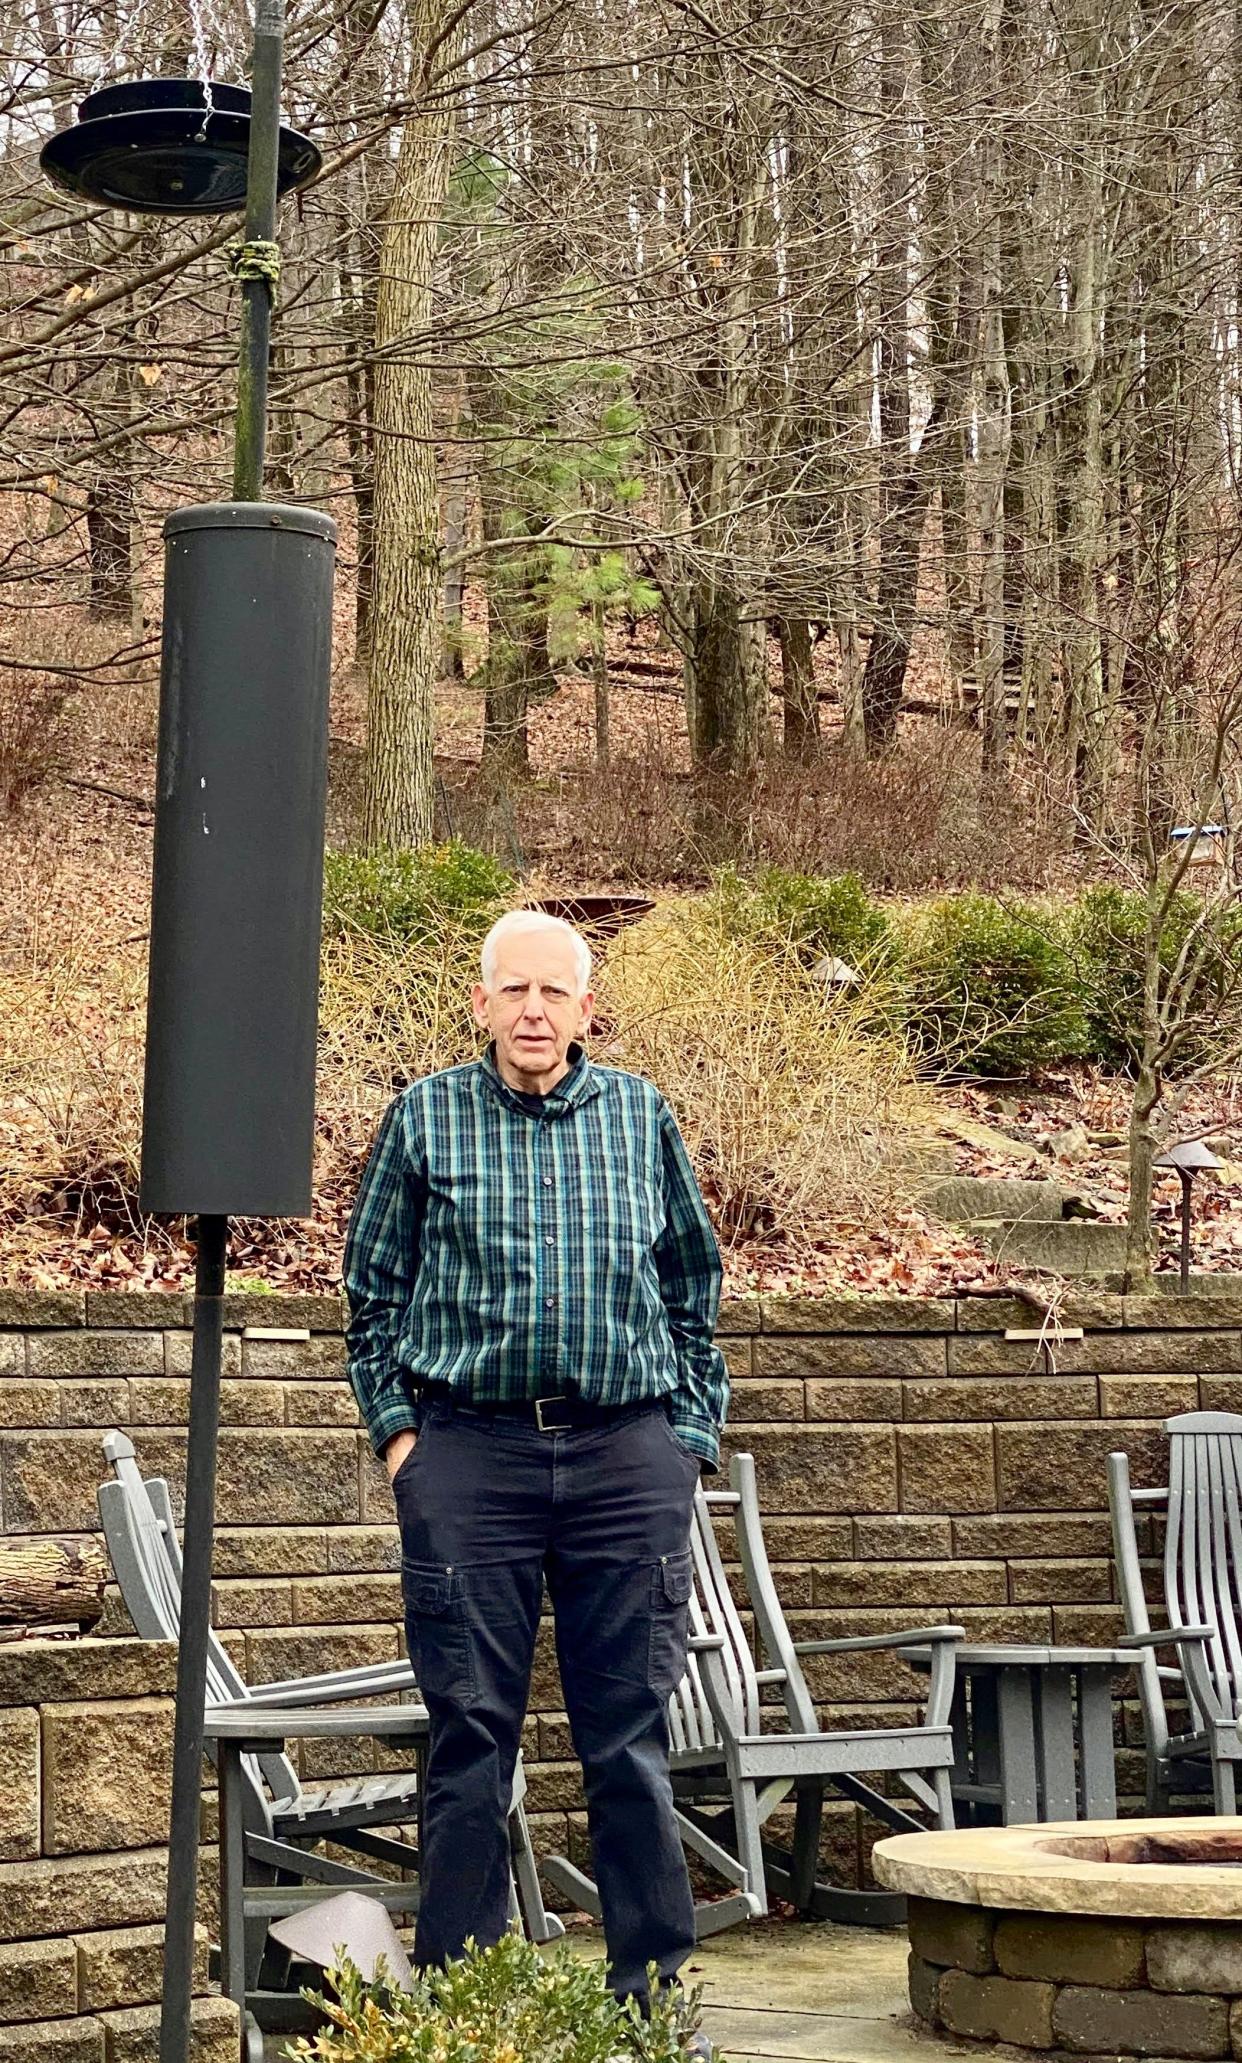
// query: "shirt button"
[[549, 1301], [547, 1181], [550, 1239]]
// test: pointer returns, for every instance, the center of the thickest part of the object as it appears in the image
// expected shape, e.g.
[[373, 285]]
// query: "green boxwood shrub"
[[509, 2004], [1108, 928], [833, 916], [409, 898], [990, 987]]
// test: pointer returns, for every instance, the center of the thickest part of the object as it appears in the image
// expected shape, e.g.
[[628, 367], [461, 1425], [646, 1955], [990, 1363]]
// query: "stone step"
[[1068, 1246], [963, 1199]]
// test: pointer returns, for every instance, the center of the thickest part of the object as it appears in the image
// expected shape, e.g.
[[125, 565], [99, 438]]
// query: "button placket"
[[550, 1357]]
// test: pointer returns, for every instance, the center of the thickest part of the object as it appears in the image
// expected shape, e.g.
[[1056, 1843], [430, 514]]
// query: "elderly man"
[[533, 1285]]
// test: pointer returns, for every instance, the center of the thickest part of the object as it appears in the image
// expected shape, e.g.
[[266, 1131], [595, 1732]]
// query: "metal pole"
[[200, 1500], [258, 287], [1186, 1182], [250, 443]]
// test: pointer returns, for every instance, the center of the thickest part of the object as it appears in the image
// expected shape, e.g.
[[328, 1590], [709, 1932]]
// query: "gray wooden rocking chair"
[[285, 1820], [1201, 1584], [730, 1776]]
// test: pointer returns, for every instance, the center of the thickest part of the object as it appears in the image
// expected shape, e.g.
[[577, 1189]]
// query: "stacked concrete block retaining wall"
[[914, 1464], [85, 1760]]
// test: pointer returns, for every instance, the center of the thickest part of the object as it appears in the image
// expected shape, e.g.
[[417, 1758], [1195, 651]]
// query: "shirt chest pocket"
[[622, 1192]]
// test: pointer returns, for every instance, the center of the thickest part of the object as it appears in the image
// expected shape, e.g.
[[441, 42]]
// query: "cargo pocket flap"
[[428, 1588], [677, 1580]]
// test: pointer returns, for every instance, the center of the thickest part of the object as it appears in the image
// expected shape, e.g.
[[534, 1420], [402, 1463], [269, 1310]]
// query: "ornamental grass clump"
[[507, 2004], [797, 1104]]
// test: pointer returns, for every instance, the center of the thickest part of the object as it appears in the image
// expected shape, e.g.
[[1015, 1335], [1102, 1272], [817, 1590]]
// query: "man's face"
[[532, 1009]]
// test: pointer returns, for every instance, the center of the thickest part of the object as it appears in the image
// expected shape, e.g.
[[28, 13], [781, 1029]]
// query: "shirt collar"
[[573, 1088]]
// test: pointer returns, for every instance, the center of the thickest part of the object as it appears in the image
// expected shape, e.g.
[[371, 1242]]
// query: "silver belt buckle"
[[542, 1403]]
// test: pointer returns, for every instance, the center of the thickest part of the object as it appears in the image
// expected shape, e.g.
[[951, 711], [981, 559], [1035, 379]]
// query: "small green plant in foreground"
[[509, 2004], [411, 898]]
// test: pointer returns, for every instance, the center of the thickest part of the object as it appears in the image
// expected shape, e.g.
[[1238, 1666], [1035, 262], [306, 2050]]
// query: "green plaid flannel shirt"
[[509, 1245]]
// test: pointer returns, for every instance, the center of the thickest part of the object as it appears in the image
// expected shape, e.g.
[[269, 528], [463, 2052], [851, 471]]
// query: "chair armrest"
[[259, 1730], [870, 1642], [373, 1679], [1169, 1638], [705, 1643]]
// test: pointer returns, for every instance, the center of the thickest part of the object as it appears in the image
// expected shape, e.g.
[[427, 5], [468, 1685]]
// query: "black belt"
[[557, 1414]]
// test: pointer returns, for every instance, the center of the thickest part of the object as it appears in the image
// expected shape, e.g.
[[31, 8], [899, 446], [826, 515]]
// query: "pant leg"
[[472, 1505], [620, 1577]]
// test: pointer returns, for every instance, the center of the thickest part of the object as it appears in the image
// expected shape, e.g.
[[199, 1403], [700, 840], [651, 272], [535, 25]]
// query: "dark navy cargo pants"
[[489, 1506]]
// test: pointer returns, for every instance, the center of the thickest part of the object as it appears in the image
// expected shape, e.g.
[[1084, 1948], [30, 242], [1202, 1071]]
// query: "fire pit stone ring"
[[1093, 1938]]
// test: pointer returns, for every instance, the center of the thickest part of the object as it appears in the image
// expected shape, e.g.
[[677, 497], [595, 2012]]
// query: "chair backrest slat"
[[142, 1543], [1203, 1542]]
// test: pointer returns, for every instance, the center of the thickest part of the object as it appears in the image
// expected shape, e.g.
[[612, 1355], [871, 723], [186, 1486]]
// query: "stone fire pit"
[[1110, 1937]]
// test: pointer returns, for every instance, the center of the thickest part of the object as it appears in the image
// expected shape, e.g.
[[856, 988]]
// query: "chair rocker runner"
[[1201, 1586], [730, 1776], [285, 1819]]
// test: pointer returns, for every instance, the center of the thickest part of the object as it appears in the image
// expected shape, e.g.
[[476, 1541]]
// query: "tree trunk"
[[109, 527], [405, 642], [727, 685], [603, 726], [801, 698], [1140, 1233]]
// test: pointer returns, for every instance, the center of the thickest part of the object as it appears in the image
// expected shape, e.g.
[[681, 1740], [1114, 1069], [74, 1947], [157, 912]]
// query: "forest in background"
[[757, 436], [834, 325]]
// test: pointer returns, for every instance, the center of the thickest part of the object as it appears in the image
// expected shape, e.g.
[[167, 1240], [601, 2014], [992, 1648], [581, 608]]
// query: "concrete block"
[[27, 1309], [924, 1984], [1195, 1958], [96, 1353], [953, 1936], [805, 1469], [875, 1354], [1001, 1397], [106, 1774], [1003, 2009], [124, 1966], [847, 1401], [133, 2035], [53, 2041], [946, 1468], [1067, 1949], [19, 1783], [903, 1538], [24, 1405], [80, 1892], [1091, 2020], [38, 1981], [1049, 1582], [1063, 1467], [274, 1550]]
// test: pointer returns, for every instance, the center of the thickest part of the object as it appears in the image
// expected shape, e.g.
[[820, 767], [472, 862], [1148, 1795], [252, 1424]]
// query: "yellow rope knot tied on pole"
[[257, 260]]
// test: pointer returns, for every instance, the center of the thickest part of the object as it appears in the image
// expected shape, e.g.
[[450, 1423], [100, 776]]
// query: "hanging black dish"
[[155, 147]]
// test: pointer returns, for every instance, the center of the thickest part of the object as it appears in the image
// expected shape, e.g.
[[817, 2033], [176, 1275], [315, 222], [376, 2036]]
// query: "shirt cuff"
[[699, 1435], [401, 1415]]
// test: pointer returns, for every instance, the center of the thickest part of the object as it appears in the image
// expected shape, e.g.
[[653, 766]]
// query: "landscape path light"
[[237, 875], [1189, 1159]]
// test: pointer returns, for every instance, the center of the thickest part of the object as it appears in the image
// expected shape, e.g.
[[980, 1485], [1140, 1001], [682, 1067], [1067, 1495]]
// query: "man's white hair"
[[515, 923]]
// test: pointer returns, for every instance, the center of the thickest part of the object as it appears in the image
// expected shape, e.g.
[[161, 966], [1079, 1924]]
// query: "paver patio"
[[810, 1993], [792, 1992]]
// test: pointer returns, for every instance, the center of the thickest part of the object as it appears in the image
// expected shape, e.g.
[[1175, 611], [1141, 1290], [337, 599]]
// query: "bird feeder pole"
[[258, 269], [259, 265]]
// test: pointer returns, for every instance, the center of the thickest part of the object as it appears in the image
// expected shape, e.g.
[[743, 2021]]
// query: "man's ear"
[[588, 1009], [479, 1001]]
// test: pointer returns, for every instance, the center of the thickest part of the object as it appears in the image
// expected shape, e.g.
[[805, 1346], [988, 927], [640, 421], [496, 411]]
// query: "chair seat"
[[351, 1799]]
